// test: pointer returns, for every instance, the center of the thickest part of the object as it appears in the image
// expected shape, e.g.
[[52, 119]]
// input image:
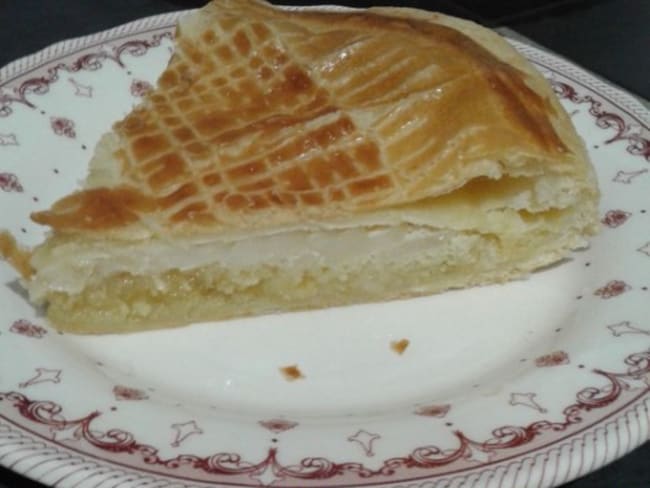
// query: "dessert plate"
[[531, 383]]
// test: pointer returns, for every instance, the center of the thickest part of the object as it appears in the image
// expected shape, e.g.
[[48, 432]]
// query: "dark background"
[[609, 37]]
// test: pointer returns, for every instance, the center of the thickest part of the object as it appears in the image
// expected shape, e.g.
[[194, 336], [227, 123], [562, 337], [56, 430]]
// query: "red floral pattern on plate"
[[28, 329], [439, 411], [140, 88], [612, 289], [127, 393], [556, 358], [9, 183], [278, 425], [63, 127], [615, 218]]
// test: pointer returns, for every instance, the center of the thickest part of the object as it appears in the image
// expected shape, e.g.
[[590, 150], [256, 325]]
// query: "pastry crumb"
[[400, 346], [292, 373]]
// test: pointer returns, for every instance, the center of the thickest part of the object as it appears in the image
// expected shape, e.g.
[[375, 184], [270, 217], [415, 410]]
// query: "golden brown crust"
[[96, 209], [267, 116], [16, 256]]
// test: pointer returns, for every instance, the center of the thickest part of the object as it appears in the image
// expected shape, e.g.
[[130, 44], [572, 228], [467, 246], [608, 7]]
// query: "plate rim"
[[625, 415]]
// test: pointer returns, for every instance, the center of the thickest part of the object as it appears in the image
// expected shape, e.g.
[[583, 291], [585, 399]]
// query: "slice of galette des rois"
[[300, 159]]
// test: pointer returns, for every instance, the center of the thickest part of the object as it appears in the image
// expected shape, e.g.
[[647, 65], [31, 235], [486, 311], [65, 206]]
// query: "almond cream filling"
[[72, 266]]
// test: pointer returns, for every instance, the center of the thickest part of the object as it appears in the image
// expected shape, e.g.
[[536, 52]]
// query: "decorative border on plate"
[[90, 61], [617, 96], [30, 63], [227, 466], [555, 463], [562, 463], [637, 144]]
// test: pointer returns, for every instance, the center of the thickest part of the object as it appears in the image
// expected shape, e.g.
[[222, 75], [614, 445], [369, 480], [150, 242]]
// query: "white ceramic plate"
[[530, 384]]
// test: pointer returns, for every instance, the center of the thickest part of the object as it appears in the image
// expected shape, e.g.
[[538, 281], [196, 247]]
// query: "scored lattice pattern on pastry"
[[232, 118], [267, 110]]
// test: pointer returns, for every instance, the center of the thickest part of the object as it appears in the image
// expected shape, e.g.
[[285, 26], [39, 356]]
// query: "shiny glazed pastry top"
[[269, 117]]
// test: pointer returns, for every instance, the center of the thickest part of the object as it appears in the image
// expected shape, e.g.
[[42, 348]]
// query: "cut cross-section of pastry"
[[294, 160]]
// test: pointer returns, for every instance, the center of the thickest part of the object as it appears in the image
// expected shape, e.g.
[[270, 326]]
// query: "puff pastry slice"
[[294, 160]]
